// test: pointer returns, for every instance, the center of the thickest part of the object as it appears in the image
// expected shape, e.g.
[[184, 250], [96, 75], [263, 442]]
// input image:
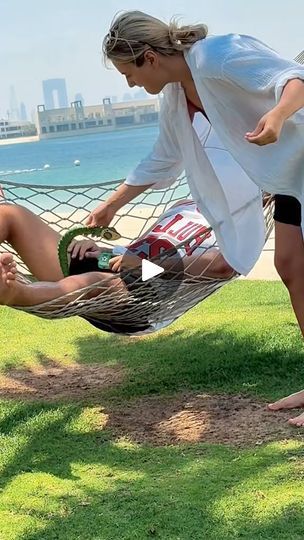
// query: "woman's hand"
[[268, 129], [105, 212], [101, 216], [124, 262], [81, 248]]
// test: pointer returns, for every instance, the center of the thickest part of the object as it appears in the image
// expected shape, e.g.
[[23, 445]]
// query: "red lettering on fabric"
[[154, 246], [190, 247], [182, 228], [163, 228], [186, 232]]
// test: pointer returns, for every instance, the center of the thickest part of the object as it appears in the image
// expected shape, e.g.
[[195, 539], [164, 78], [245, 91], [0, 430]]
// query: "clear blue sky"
[[61, 38]]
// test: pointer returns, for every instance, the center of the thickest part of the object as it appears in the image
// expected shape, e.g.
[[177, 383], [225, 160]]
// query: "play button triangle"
[[150, 270]]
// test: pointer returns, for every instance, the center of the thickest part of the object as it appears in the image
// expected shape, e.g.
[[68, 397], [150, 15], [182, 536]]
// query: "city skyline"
[[55, 93], [55, 96], [68, 46]]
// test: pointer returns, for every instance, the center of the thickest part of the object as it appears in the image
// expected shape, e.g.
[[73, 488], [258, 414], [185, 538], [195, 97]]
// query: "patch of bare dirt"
[[157, 420], [220, 419], [56, 382]]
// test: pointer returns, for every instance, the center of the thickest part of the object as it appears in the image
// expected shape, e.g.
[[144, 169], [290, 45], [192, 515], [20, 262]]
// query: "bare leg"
[[289, 262], [14, 293], [217, 266], [211, 264], [34, 241]]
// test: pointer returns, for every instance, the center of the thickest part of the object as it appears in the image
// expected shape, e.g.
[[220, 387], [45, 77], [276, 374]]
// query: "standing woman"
[[254, 101]]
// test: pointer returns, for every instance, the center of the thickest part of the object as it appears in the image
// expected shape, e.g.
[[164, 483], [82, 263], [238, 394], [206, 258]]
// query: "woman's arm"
[[270, 126], [124, 194], [105, 212], [292, 99], [158, 170], [256, 68]]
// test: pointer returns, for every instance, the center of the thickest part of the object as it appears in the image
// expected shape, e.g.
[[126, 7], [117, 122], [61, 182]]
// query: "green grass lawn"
[[65, 475]]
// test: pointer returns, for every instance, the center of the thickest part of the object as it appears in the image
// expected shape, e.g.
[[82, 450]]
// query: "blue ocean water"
[[103, 157]]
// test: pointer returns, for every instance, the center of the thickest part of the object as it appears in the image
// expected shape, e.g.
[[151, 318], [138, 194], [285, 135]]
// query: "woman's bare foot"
[[8, 284], [298, 421], [290, 402]]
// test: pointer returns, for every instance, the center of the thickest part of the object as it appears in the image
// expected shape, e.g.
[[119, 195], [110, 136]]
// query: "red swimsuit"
[[192, 109]]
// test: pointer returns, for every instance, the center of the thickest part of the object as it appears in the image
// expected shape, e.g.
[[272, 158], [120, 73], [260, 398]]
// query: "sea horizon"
[[102, 157]]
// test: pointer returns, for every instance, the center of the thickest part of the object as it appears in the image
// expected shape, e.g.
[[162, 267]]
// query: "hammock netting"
[[159, 301]]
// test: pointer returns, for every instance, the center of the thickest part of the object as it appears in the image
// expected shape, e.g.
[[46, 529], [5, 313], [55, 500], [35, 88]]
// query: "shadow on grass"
[[104, 488], [129, 491], [228, 348], [119, 490], [184, 360], [217, 361]]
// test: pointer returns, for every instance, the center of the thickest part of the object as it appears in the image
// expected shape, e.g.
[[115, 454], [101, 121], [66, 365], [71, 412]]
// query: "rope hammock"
[[151, 301], [59, 207]]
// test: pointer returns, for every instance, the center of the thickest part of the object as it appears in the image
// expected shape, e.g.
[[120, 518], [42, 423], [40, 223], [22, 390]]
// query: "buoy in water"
[[76, 162], [46, 166]]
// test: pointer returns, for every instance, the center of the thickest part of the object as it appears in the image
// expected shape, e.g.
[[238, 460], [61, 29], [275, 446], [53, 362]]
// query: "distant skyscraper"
[[79, 97], [58, 86], [34, 116], [23, 114], [14, 110]]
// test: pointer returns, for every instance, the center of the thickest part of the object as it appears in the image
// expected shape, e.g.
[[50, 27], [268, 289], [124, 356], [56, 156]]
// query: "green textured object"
[[103, 260], [108, 233]]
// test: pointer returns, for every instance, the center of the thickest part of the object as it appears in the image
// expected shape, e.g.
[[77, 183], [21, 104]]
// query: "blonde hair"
[[134, 32]]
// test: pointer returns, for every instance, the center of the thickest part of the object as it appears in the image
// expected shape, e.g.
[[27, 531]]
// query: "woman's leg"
[[34, 241], [289, 262], [14, 293]]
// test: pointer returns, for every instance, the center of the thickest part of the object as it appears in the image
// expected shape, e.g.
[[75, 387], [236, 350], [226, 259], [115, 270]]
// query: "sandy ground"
[[4, 142], [264, 268]]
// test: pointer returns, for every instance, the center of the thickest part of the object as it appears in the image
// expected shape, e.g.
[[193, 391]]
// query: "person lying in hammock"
[[37, 245]]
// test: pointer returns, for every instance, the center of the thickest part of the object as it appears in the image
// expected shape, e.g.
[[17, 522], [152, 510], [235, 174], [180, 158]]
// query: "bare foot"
[[298, 421], [290, 402], [8, 282]]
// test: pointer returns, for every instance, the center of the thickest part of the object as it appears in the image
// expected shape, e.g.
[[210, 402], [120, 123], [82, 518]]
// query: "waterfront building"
[[77, 119], [14, 129]]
